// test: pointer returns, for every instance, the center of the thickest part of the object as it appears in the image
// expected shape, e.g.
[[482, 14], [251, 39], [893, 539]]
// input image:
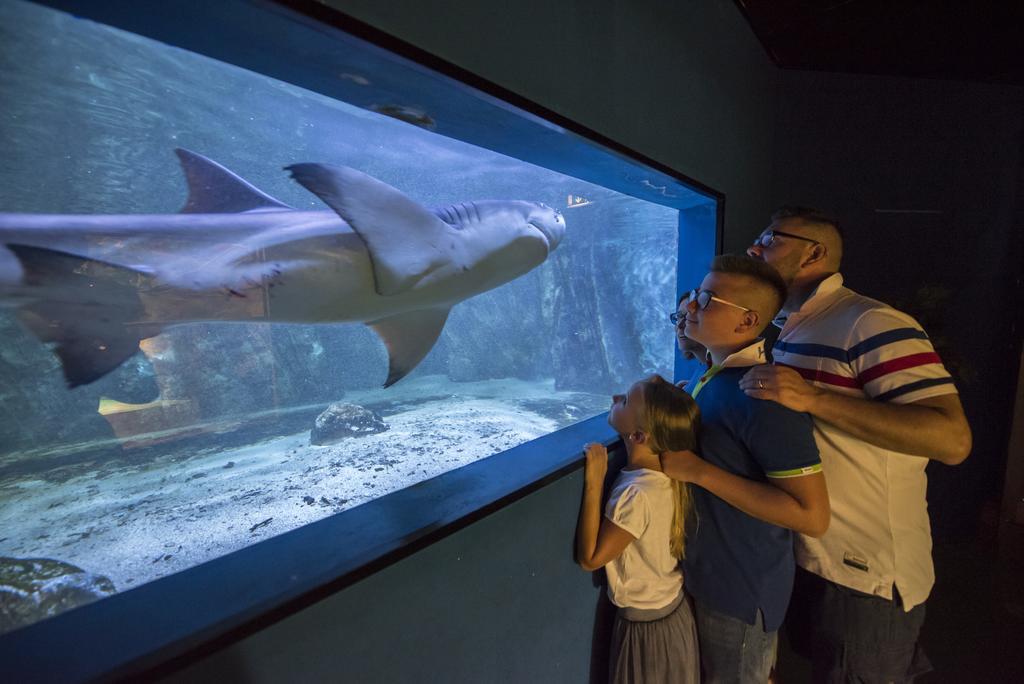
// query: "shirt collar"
[[751, 355], [819, 296]]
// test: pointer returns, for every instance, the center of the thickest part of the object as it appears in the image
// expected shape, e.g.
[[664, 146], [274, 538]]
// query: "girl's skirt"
[[653, 646]]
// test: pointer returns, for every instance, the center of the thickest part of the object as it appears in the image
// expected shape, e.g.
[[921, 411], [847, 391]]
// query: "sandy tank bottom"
[[136, 523]]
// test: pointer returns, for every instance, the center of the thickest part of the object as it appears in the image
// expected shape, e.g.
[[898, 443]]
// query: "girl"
[[641, 537]]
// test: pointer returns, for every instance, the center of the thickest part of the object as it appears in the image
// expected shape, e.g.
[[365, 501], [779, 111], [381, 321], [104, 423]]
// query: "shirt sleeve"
[[782, 441], [629, 510], [893, 359]]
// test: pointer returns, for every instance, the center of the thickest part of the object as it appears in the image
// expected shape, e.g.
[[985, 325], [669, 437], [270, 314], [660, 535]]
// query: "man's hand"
[[597, 465], [684, 466], [780, 384]]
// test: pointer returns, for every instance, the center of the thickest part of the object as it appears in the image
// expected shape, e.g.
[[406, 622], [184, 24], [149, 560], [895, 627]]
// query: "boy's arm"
[[798, 503], [598, 540]]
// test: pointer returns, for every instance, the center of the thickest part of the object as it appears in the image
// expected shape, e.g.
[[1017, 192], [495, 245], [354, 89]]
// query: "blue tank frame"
[[162, 626]]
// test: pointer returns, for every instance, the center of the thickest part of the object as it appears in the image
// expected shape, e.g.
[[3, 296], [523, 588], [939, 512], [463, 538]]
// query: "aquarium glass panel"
[[231, 305]]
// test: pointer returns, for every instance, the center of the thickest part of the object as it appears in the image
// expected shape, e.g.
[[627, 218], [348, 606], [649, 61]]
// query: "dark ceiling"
[[974, 40]]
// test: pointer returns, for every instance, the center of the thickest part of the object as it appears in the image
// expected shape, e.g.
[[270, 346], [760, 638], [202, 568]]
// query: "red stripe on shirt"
[[898, 364], [823, 377]]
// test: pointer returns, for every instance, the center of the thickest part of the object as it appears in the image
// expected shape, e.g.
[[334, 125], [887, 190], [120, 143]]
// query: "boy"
[[758, 480]]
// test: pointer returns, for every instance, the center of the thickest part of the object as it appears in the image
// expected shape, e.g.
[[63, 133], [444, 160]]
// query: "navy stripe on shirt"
[[887, 337], [859, 349], [920, 384], [812, 350]]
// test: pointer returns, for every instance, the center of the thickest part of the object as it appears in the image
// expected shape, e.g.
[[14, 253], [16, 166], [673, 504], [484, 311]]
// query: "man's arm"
[[935, 427], [797, 503]]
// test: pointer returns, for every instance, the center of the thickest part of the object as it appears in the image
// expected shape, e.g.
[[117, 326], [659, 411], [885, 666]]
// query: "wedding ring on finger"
[[760, 384]]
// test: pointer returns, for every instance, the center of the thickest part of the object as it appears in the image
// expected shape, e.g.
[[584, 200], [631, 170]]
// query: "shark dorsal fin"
[[406, 241], [212, 189]]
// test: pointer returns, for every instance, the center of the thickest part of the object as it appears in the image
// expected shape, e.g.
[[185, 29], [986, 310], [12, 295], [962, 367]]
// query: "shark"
[[92, 286]]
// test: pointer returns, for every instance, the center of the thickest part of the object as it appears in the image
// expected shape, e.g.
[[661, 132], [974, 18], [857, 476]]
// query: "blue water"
[[90, 120]]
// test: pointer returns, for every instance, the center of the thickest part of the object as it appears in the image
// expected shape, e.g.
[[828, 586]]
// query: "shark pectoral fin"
[[406, 241], [408, 338], [88, 308], [212, 189]]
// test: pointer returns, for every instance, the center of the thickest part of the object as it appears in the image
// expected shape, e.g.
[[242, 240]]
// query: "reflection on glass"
[[230, 307]]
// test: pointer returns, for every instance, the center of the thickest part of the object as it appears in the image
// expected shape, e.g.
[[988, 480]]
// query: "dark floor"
[[974, 630]]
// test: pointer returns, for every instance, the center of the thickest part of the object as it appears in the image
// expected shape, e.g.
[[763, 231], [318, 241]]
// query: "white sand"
[[135, 524]]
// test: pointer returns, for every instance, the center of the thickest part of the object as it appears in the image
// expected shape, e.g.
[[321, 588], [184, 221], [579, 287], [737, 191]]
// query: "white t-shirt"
[[646, 575]]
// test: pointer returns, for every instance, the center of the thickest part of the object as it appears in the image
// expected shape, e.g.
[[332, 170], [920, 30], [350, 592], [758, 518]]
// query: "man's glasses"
[[767, 238], [703, 299]]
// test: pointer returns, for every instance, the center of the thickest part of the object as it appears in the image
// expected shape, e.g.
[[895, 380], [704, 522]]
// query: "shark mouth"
[[548, 237]]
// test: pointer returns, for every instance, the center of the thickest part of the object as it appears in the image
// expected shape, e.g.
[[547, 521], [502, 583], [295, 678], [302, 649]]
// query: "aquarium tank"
[[248, 283]]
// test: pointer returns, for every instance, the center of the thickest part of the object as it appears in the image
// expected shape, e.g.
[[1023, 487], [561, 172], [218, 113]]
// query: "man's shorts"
[[851, 636]]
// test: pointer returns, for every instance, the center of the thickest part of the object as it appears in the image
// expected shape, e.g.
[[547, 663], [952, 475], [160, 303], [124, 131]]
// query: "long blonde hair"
[[671, 420]]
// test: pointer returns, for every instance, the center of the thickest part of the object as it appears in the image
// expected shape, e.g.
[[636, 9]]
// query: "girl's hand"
[[597, 464]]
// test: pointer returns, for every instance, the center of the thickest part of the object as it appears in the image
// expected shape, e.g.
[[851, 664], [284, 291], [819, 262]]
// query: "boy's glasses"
[[767, 238], [703, 299]]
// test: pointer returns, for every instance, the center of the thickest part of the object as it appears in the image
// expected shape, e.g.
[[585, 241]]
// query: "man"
[[759, 478], [883, 404], [689, 349]]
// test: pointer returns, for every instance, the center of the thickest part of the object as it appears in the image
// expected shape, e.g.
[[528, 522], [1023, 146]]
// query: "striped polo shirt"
[[880, 534]]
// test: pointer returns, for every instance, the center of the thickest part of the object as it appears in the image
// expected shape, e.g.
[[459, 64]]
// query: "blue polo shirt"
[[735, 563]]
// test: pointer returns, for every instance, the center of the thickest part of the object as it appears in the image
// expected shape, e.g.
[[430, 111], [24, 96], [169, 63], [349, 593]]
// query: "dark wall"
[[499, 601], [926, 178]]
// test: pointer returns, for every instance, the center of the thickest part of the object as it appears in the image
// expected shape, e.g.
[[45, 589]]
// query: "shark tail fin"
[[87, 308]]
